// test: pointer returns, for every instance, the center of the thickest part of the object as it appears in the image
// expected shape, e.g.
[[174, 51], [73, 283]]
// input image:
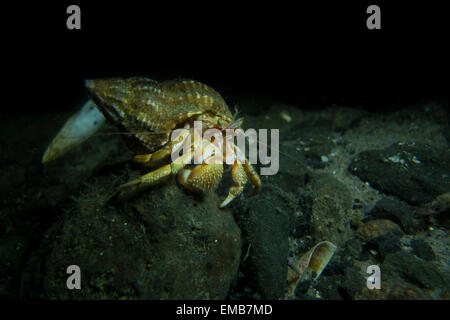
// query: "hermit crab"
[[160, 118]]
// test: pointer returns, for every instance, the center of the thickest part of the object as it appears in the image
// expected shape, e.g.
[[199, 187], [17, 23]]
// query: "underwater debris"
[[310, 266], [77, 129], [285, 116]]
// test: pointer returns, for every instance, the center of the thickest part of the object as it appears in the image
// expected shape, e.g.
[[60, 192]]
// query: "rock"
[[353, 249], [395, 210], [13, 252], [32, 192], [292, 167], [416, 174], [352, 282], [423, 250], [439, 205], [329, 210], [329, 288], [381, 235], [387, 245], [393, 289], [266, 221], [414, 270], [377, 228], [163, 244]]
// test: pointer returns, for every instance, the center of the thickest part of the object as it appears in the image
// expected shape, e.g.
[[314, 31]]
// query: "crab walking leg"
[[240, 179], [153, 177], [153, 158], [158, 156], [253, 176], [202, 177]]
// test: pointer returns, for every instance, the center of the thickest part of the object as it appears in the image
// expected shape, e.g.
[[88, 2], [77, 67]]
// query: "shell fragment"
[[310, 265], [77, 129]]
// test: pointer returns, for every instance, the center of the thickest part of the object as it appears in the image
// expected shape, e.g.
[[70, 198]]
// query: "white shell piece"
[[77, 129]]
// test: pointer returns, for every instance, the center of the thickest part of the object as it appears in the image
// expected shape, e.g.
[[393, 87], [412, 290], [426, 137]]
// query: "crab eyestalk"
[[237, 123]]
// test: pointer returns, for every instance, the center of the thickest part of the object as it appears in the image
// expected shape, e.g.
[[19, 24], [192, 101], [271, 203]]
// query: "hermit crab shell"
[[151, 110], [310, 265]]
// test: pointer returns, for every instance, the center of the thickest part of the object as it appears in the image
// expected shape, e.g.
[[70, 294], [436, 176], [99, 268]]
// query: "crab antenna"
[[236, 111]]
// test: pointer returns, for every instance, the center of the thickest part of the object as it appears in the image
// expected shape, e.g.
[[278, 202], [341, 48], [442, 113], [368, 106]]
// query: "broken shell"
[[77, 129], [310, 265]]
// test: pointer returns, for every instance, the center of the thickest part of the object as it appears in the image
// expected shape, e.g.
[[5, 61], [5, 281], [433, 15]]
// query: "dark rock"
[[302, 288], [14, 249], [380, 235], [395, 210], [328, 209], [337, 265], [301, 227], [423, 250], [414, 270], [415, 174], [393, 288], [352, 282], [436, 212], [387, 245], [266, 222], [162, 244], [406, 291], [292, 167], [329, 287], [439, 205], [353, 249]]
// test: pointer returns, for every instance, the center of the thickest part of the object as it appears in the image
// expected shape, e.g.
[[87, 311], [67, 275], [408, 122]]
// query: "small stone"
[[377, 228], [423, 250]]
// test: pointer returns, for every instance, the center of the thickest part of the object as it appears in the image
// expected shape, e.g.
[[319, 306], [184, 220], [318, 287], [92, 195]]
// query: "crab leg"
[[240, 179], [155, 176], [153, 158], [253, 176], [158, 156]]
